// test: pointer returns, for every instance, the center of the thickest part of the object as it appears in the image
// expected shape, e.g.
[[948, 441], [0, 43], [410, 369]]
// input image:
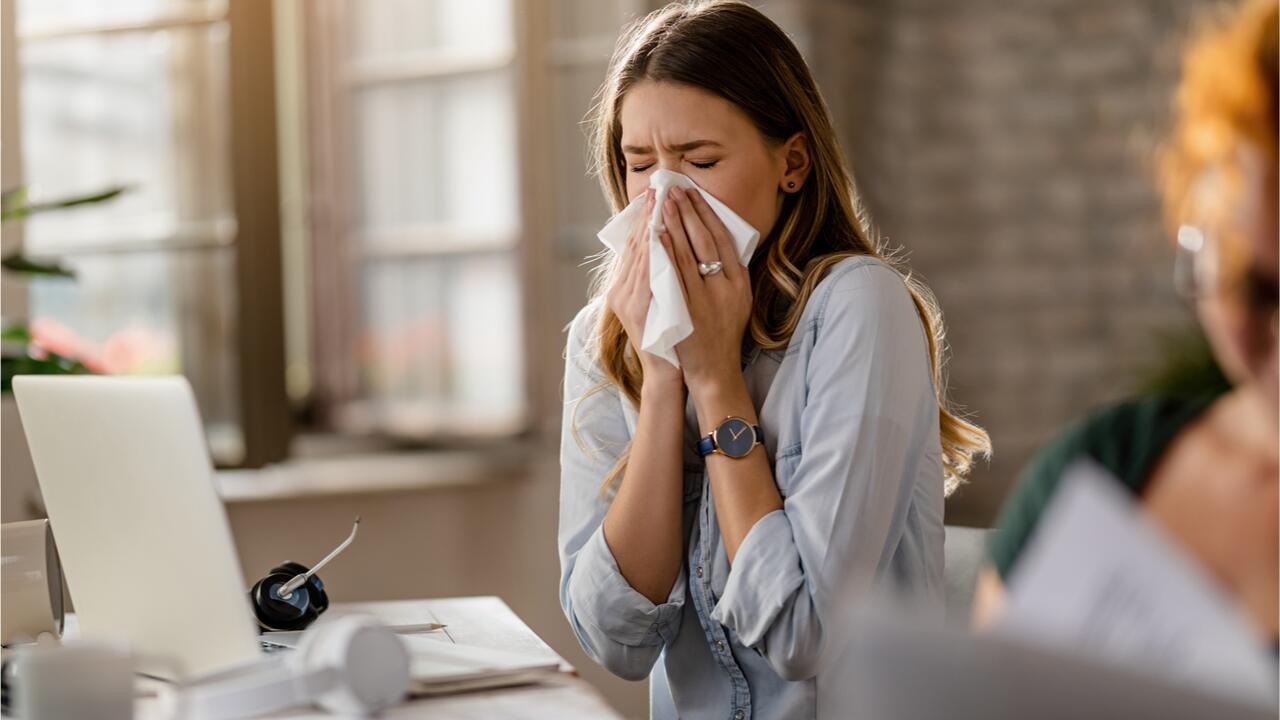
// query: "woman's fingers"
[[704, 245], [685, 260], [637, 244], [725, 248], [641, 279], [671, 219], [665, 239], [626, 266], [641, 223]]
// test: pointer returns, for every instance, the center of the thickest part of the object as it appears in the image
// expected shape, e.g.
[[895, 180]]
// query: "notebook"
[[439, 667]]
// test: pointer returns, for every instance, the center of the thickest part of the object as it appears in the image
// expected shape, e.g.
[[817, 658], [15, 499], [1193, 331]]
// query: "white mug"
[[30, 581], [76, 680]]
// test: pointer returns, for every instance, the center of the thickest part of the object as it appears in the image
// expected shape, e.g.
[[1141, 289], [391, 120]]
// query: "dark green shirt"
[[1127, 439]]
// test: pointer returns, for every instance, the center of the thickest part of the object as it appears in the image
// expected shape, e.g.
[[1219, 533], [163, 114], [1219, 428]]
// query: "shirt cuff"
[[764, 576], [607, 601]]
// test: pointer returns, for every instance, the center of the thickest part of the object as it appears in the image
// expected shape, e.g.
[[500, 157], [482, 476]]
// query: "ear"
[[796, 163]]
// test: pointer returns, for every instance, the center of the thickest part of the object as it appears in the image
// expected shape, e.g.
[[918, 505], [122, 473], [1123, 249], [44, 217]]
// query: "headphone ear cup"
[[319, 598], [370, 663], [315, 586], [276, 613]]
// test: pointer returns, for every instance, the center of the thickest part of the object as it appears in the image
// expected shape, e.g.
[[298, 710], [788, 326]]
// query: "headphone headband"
[[351, 665], [271, 686]]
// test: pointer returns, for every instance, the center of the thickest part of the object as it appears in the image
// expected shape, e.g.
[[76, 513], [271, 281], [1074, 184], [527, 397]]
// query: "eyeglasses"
[[1194, 268], [1254, 297]]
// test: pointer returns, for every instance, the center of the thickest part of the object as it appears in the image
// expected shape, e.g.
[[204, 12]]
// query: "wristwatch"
[[733, 437]]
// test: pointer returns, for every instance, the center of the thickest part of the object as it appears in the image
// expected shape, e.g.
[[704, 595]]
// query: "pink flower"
[[50, 336], [132, 350]]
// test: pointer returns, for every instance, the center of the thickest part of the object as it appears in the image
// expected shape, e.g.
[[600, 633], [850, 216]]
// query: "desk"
[[485, 622]]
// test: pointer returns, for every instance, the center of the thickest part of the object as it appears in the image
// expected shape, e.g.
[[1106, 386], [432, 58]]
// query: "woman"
[[726, 567], [1203, 465]]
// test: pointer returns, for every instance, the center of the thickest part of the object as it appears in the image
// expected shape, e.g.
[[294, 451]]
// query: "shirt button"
[[719, 646], [699, 571], [739, 715]]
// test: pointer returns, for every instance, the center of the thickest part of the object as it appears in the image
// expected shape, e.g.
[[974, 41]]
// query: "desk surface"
[[485, 622]]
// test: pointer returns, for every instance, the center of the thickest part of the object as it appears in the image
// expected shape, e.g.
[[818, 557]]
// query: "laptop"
[[146, 549]]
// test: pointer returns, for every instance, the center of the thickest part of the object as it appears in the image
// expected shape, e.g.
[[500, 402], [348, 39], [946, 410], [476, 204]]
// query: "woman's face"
[[1239, 314], [693, 132]]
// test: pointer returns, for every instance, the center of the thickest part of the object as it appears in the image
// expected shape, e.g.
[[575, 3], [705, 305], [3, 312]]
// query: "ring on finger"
[[706, 269]]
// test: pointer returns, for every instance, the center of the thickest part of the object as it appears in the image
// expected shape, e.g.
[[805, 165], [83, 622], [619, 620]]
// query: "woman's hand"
[[719, 303], [629, 297]]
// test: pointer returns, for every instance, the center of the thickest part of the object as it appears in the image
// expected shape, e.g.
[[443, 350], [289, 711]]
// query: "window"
[[418, 220], [141, 93], [436, 203]]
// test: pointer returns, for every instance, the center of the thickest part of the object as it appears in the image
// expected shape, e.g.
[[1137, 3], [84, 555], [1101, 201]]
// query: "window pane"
[[442, 343], [145, 110], [35, 15], [154, 312], [437, 153], [434, 167], [394, 28]]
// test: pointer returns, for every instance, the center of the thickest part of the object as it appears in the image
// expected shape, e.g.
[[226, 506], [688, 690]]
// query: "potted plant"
[[21, 353]]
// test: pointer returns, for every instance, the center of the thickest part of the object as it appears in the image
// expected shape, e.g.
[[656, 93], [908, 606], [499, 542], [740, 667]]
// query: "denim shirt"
[[850, 424]]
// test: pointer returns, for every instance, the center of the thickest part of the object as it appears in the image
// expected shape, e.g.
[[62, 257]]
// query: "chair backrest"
[[965, 552]]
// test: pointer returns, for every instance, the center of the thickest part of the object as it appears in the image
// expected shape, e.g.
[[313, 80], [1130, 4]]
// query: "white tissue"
[[668, 321]]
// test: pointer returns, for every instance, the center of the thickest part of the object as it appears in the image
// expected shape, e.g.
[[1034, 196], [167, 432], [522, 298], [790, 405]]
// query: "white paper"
[[668, 322], [1100, 578], [433, 660]]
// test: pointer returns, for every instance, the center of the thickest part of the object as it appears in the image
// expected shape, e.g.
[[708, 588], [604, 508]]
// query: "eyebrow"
[[679, 147]]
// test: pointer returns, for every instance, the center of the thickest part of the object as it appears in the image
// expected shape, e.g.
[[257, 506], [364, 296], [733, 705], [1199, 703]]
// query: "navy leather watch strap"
[[707, 444]]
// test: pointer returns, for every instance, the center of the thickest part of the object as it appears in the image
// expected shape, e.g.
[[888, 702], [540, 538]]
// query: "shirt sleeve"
[[869, 420], [616, 625]]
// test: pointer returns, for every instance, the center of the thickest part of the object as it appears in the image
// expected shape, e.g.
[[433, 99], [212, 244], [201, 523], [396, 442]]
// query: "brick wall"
[[1006, 145]]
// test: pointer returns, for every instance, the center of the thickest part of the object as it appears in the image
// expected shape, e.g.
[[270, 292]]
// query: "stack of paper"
[[439, 667]]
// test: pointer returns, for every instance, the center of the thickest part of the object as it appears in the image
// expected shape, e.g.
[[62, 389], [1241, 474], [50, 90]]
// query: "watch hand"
[[738, 434]]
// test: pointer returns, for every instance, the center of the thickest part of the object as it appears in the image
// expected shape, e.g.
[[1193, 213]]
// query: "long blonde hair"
[[733, 51]]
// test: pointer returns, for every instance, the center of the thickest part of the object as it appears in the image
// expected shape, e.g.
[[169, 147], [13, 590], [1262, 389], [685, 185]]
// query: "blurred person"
[[1203, 465], [720, 576]]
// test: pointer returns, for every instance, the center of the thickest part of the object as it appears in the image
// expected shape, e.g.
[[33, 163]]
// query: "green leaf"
[[19, 263], [12, 199], [13, 365], [16, 333], [14, 205]]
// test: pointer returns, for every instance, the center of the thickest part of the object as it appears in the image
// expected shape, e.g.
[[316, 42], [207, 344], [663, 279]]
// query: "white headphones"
[[352, 665]]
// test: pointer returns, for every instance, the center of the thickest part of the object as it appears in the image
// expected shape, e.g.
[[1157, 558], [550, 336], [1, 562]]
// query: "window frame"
[[336, 248], [254, 238]]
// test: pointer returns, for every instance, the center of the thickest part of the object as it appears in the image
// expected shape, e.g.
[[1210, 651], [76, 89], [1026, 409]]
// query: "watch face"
[[735, 437]]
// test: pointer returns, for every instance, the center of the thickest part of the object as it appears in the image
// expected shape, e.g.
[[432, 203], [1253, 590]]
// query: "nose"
[[668, 162]]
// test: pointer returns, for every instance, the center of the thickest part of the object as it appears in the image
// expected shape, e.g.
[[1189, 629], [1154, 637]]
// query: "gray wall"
[[1007, 147]]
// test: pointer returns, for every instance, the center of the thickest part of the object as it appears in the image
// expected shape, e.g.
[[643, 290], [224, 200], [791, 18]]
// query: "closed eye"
[[640, 168], [705, 165]]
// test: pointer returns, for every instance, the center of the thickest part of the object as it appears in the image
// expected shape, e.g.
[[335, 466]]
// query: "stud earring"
[[791, 185]]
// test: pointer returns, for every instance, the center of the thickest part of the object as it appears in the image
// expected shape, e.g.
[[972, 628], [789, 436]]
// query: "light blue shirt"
[[850, 424]]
